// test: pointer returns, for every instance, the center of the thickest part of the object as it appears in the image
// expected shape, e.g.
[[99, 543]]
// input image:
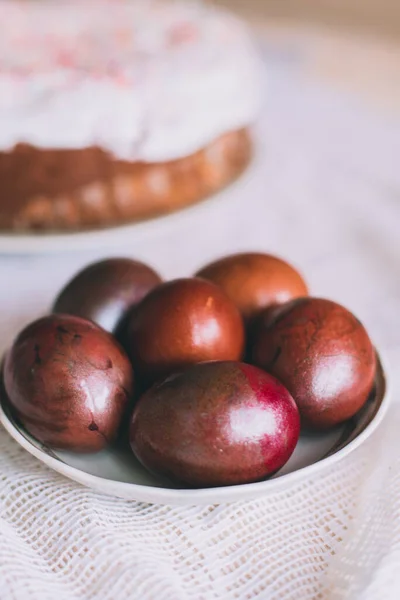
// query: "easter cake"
[[115, 111]]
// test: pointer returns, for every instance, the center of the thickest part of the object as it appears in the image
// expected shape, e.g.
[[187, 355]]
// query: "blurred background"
[[381, 16], [351, 43], [327, 195]]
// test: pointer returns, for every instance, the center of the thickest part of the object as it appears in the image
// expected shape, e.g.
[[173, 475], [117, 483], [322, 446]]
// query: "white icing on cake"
[[144, 79]]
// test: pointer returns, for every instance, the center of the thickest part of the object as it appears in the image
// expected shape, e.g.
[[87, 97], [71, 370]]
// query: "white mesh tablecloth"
[[327, 198]]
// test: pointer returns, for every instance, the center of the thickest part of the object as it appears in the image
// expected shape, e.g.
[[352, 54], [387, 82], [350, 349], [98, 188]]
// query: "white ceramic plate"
[[116, 471]]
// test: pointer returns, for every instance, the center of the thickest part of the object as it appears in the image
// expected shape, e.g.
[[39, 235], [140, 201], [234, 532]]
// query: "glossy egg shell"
[[218, 423], [69, 382], [323, 355], [181, 323], [255, 281], [105, 291]]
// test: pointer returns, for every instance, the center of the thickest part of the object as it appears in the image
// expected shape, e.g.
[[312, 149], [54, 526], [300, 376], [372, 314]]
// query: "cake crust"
[[67, 190]]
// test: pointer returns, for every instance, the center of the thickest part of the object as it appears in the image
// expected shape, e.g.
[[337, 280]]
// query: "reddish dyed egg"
[[255, 281], [322, 353], [68, 382], [217, 423], [180, 323], [104, 292]]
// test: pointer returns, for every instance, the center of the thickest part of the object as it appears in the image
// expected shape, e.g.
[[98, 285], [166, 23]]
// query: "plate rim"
[[190, 497]]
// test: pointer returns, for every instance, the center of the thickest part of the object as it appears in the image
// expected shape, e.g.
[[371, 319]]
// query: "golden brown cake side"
[[58, 190]]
